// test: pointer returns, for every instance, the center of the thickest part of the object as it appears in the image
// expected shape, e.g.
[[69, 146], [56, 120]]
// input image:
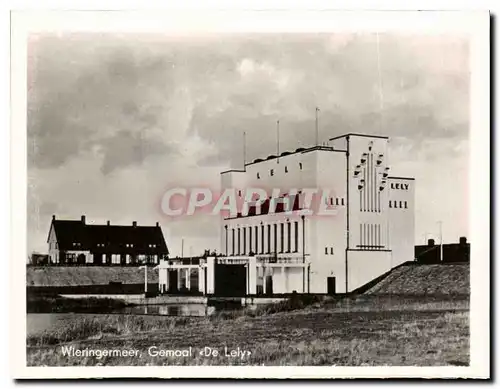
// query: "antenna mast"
[[317, 110], [278, 140], [244, 149]]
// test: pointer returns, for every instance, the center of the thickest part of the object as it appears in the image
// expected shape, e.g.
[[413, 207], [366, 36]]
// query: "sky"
[[116, 119]]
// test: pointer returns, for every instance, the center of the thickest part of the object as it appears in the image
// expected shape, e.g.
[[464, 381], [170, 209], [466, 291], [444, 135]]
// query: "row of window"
[[370, 236], [331, 250], [271, 171], [394, 204], [75, 244], [338, 201], [263, 239]]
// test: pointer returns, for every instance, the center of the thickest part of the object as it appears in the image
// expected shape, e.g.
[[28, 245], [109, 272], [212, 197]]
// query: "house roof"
[[69, 232]]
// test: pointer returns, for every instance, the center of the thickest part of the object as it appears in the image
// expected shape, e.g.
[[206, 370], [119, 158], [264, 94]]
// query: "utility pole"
[[317, 131], [441, 239], [145, 267], [278, 141], [244, 149]]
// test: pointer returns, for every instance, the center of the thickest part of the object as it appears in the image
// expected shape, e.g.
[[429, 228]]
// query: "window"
[[300, 165], [400, 204], [390, 204], [336, 201], [258, 176], [286, 169], [244, 240], [406, 204], [271, 172], [296, 244], [249, 239], [239, 242], [256, 239], [326, 250], [289, 237], [342, 201], [232, 241], [275, 238], [262, 237], [331, 250], [268, 238], [282, 230]]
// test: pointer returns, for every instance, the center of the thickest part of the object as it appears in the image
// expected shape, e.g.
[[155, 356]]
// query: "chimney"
[[430, 242], [53, 217], [157, 224], [108, 223], [134, 224], [463, 240], [83, 219]]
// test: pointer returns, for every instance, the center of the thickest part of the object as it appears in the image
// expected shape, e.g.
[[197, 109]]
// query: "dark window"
[[342, 201], [268, 238], [286, 169], [390, 204], [239, 242], [331, 250], [256, 239], [244, 240], [258, 176], [296, 246], [400, 204], [282, 230], [326, 250], [336, 201], [300, 165], [406, 204], [249, 239], [289, 237], [275, 238], [262, 237], [271, 172], [232, 240]]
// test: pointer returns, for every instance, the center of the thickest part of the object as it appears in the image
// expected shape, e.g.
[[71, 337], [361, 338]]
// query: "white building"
[[368, 231], [371, 231]]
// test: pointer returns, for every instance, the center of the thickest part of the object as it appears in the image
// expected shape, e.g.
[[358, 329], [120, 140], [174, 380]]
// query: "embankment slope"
[[418, 280]]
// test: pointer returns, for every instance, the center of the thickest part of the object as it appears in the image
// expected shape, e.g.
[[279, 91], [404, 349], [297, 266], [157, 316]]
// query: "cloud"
[[114, 119]]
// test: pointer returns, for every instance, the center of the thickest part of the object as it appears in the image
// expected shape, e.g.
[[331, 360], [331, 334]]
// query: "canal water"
[[39, 322]]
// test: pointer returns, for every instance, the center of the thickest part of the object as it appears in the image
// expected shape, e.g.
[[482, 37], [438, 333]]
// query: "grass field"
[[368, 330]]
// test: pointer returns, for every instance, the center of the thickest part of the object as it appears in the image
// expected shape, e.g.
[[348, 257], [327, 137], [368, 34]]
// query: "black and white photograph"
[[210, 191]]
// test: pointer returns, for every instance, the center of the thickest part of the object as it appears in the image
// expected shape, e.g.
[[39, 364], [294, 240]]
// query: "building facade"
[[369, 228], [73, 242]]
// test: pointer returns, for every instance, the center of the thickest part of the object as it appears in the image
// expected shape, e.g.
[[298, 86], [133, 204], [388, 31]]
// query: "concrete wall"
[[328, 232], [402, 219], [364, 266], [360, 204]]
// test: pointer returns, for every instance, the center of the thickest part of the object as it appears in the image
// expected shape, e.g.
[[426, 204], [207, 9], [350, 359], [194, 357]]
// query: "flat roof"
[[363, 135], [401, 178]]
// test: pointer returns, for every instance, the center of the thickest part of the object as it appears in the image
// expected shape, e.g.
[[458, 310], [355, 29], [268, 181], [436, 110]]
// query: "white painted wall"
[[364, 266], [402, 219], [365, 213]]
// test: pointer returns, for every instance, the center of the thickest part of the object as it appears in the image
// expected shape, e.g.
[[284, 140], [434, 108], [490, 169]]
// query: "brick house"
[[73, 242]]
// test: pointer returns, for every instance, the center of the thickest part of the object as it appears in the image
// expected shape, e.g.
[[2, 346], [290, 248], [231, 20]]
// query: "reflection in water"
[[169, 310]]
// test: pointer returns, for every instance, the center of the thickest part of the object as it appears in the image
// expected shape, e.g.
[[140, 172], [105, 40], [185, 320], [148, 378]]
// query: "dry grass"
[[86, 275], [369, 331], [419, 280]]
